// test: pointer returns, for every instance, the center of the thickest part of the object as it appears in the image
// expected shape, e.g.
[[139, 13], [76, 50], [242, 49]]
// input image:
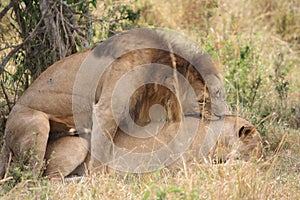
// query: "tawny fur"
[[47, 107], [238, 140]]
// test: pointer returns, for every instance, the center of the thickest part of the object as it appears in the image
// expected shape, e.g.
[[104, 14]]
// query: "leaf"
[[146, 195], [94, 3], [174, 189], [80, 6]]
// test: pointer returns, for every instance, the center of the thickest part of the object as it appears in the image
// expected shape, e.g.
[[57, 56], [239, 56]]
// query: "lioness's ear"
[[246, 130]]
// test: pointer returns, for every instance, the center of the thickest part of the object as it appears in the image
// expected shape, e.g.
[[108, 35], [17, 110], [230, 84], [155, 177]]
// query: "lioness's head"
[[243, 142]]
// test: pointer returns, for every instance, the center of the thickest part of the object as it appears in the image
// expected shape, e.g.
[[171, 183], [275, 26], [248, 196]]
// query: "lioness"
[[69, 91], [238, 140]]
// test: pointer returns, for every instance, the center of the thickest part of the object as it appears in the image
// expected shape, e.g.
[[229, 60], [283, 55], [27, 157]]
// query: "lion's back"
[[52, 91]]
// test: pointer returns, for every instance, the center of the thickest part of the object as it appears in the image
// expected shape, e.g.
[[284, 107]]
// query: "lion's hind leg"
[[26, 136], [64, 155], [4, 159]]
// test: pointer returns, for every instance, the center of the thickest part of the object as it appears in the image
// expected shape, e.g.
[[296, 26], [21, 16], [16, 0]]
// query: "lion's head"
[[188, 96]]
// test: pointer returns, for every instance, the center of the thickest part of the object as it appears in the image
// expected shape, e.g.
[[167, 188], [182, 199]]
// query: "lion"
[[238, 139], [67, 94]]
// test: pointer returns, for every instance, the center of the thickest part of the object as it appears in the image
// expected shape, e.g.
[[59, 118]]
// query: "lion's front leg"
[[103, 132]]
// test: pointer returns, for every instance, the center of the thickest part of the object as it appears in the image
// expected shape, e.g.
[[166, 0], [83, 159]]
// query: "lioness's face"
[[244, 145], [249, 144]]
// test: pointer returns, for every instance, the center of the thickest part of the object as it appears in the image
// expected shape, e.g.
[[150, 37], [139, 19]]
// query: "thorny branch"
[[59, 29], [18, 47]]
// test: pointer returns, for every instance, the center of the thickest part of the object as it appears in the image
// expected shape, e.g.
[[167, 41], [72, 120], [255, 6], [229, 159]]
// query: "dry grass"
[[224, 28], [231, 181]]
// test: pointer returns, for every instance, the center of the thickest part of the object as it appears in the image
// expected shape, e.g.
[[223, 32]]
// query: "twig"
[[73, 4], [264, 119], [18, 47], [8, 165], [5, 95], [5, 179], [8, 57], [6, 9], [8, 47]]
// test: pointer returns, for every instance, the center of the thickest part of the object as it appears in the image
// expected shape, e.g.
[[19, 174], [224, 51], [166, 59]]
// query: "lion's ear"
[[246, 131]]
